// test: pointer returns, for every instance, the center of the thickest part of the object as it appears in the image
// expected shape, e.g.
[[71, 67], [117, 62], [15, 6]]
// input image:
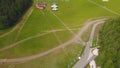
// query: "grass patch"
[[64, 35], [31, 47], [7, 40], [62, 58]]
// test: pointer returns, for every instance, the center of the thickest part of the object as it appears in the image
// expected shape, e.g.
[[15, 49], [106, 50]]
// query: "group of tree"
[[11, 11], [109, 40]]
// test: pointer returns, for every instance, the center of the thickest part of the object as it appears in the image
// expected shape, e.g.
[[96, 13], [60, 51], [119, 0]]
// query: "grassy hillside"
[[41, 25], [110, 44]]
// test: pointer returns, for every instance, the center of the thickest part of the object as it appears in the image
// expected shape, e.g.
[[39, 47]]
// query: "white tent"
[[54, 7], [105, 0]]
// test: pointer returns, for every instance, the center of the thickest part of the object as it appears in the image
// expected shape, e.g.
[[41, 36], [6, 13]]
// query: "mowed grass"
[[35, 24], [64, 35], [31, 47], [36, 45], [63, 58], [7, 40], [112, 5], [4, 31], [72, 13], [39, 21], [77, 12]]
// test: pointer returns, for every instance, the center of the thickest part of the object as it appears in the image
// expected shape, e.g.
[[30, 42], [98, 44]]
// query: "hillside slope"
[[110, 44]]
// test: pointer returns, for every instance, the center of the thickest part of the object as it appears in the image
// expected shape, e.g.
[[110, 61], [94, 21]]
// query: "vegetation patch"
[[12, 11], [109, 41]]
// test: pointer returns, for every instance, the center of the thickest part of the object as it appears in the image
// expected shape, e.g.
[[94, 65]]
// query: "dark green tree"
[[11, 11]]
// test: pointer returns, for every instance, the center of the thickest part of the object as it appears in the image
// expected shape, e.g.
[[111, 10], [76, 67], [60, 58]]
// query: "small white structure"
[[95, 52], [105, 0], [92, 64], [54, 7], [79, 58]]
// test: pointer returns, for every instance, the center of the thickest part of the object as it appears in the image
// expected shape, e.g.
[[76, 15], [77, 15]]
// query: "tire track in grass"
[[101, 6], [5, 34], [18, 25], [14, 44], [22, 41], [67, 27], [56, 36], [31, 37], [28, 58], [56, 30], [20, 29]]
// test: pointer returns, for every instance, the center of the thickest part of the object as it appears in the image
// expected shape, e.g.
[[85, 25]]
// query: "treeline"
[[110, 44], [11, 11]]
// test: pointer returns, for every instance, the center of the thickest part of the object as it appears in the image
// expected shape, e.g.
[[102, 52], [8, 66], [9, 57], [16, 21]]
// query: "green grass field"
[[73, 14]]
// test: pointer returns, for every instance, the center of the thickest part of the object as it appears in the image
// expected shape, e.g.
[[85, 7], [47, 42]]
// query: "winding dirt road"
[[76, 37]]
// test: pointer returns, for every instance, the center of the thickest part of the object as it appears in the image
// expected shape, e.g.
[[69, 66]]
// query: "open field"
[[54, 60], [48, 29]]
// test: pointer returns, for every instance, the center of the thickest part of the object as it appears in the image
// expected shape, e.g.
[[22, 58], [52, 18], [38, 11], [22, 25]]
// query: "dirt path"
[[25, 59], [5, 34], [66, 26], [20, 29], [55, 30], [32, 37], [21, 41]]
